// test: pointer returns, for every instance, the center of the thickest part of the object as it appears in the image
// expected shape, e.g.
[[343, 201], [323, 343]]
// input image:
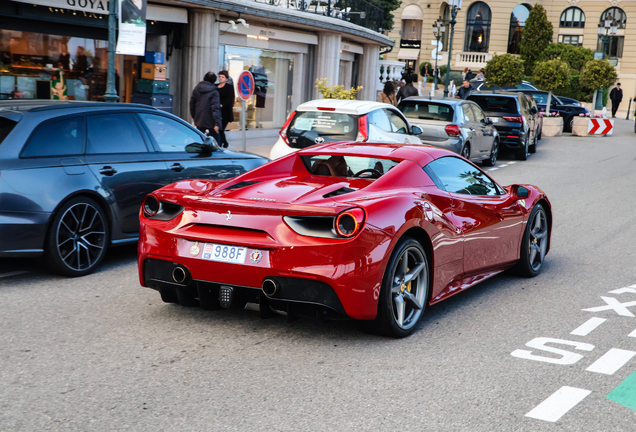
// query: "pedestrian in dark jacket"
[[616, 96], [226, 94], [408, 89], [464, 90], [205, 106]]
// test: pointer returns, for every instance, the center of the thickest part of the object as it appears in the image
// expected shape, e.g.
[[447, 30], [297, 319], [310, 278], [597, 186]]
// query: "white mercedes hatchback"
[[328, 120]]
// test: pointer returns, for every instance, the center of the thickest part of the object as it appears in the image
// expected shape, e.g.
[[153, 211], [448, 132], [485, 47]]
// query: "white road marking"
[[493, 169], [632, 334], [510, 163], [559, 403], [613, 304], [15, 273], [611, 361], [567, 357], [587, 327], [629, 289]]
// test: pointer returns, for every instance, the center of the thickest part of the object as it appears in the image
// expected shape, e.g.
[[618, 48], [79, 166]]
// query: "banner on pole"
[[132, 27]]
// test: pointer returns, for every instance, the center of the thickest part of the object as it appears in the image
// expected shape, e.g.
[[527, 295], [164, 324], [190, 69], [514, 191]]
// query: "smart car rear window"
[[426, 110], [347, 166], [494, 103], [6, 126], [326, 124]]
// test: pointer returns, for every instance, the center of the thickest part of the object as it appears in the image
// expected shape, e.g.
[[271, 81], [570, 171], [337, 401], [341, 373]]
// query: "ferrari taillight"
[[283, 131], [350, 222], [363, 129]]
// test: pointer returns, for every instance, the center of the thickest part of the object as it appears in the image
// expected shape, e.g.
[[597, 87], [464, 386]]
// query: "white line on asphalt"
[[632, 334], [15, 273], [559, 403], [493, 169], [611, 361], [587, 327], [511, 162]]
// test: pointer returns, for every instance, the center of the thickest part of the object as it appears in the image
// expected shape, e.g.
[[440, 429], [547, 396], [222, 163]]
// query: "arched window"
[[572, 17], [614, 13], [518, 19], [477, 28], [446, 16]]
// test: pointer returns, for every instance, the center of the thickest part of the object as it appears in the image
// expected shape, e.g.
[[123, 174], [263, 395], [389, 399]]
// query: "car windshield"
[[325, 124], [347, 166], [540, 98], [426, 110], [494, 103]]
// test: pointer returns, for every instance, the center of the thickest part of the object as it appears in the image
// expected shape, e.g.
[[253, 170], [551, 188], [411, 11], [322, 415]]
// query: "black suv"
[[74, 175], [567, 111], [514, 117]]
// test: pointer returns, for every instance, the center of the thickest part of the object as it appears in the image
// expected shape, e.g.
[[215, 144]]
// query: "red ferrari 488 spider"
[[373, 232]]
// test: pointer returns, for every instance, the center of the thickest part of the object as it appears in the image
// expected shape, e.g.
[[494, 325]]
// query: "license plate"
[[495, 120], [224, 253]]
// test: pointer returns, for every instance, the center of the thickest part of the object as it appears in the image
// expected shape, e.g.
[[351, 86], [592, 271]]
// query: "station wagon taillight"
[[516, 119], [452, 130]]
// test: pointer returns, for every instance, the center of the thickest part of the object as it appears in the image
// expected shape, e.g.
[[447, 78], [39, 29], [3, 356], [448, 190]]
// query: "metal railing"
[[359, 12]]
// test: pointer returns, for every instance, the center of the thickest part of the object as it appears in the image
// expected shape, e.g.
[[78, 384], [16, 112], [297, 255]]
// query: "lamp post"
[[111, 92], [605, 29], [438, 30], [455, 5]]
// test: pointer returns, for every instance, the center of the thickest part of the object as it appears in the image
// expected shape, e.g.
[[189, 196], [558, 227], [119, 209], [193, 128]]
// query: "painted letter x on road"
[[613, 304]]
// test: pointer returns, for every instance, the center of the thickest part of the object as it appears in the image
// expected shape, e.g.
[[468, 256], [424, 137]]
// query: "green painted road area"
[[625, 393]]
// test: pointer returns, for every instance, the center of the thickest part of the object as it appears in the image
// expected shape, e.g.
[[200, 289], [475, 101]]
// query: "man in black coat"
[[408, 89], [464, 90], [616, 96], [205, 106]]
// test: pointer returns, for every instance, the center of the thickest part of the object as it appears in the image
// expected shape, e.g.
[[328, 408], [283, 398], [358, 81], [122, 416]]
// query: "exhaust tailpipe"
[[179, 275], [270, 287]]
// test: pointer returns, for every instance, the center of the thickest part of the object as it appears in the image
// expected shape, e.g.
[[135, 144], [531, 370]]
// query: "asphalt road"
[[100, 353]]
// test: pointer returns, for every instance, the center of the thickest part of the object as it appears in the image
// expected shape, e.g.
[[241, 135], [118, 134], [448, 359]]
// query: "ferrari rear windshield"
[[427, 110], [347, 166]]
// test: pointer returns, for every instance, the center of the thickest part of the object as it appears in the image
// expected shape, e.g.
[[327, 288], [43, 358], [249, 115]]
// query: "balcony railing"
[[389, 71], [472, 59], [359, 12]]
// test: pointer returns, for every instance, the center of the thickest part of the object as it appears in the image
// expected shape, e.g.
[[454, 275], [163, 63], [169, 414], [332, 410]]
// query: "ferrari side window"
[[460, 177]]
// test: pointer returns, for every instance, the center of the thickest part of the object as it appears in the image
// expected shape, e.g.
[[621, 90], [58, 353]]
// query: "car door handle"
[[468, 225], [108, 171], [177, 167]]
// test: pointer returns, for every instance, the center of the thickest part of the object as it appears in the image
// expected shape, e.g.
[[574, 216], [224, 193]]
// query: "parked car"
[[514, 117], [569, 101], [480, 85], [568, 112], [310, 235], [74, 175], [329, 120], [538, 117], [454, 124]]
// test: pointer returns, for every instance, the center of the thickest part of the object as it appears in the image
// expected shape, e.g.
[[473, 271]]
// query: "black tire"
[[540, 133], [465, 152], [532, 148], [411, 295], [522, 153], [567, 124], [535, 239], [494, 152], [78, 238]]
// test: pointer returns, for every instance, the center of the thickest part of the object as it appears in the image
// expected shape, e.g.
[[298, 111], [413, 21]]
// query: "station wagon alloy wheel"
[[78, 239]]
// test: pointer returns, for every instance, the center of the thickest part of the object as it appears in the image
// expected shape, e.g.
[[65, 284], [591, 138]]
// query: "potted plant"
[[580, 124], [552, 124]]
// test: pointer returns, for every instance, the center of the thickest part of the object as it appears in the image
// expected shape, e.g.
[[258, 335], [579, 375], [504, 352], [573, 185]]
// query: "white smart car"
[[326, 120]]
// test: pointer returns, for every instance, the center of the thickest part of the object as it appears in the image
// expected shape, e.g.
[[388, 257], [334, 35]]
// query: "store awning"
[[408, 53], [412, 12]]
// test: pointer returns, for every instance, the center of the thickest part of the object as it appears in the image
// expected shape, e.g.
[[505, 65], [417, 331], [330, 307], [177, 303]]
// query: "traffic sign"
[[245, 85], [600, 127]]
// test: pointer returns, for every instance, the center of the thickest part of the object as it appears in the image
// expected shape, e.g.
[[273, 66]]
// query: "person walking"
[[425, 73], [464, 72], [227, 97], [408, 89], [464, 90], [388, 94], [205, 106], [616, 96]]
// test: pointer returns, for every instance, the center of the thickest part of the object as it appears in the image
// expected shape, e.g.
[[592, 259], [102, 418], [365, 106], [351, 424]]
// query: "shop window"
[[572, 17], [518, 19], [572, 39], [273, 73], [33, 64], [114, 133], [56, 138], [614, 47], [170, 135], [614, 14], [411, 29], [477, 28]]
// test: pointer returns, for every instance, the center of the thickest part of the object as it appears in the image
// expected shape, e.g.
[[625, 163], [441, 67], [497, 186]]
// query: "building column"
[[299, 81], [201, 53], [327, 60], [370, 72]]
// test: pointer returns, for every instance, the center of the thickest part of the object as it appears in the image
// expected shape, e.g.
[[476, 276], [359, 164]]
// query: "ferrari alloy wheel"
[[466, 151], [405, 289], [78, 237], [494, 151], [522, 153], [534, 244]]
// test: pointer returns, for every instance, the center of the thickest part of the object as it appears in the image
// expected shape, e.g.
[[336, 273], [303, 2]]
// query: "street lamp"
[[438, 30], [111, 93], [605, 29], [455, 5]]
